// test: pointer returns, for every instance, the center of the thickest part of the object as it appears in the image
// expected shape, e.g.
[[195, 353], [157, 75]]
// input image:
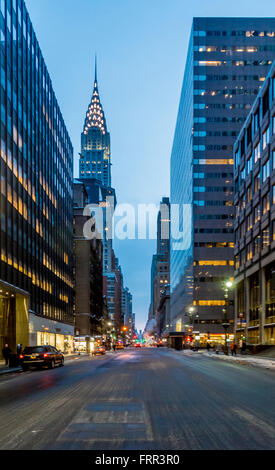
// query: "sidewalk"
[[252, 360]]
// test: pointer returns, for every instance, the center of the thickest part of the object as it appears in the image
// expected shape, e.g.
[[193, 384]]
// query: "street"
[[147, 399]]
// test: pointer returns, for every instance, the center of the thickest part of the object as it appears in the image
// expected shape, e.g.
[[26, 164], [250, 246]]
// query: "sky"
[[141, 48]]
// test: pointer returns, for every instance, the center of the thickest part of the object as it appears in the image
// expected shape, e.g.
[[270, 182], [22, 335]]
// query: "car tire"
[[62, 362], [52, 365]]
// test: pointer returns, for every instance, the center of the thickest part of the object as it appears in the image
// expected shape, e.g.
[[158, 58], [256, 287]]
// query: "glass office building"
[[228, 60], [36, 169]]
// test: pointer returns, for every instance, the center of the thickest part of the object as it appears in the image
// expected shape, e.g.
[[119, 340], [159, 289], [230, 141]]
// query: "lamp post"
[[226, 324]]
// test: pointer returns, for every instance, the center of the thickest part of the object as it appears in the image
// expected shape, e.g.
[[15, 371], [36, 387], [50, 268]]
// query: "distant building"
[[254, 177], [160, 269], [127, 311], [88, 272], [36, 278]]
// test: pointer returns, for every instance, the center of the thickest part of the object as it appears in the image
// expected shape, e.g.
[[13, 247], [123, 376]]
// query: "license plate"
[[33, 357]]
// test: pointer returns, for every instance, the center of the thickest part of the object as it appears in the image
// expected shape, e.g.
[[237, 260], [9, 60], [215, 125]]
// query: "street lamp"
[[226, 324]]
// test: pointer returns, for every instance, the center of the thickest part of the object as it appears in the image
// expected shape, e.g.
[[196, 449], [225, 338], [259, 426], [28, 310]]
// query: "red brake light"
[[21, 356], [45, 355]]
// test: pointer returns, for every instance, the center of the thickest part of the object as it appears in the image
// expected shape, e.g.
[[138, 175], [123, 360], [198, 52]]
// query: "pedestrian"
[[114, 347], [208, 347], [6, 351], [233, 348], [19, 349], [243, 348]]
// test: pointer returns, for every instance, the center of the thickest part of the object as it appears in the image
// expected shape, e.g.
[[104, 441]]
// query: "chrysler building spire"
[[95, 161]]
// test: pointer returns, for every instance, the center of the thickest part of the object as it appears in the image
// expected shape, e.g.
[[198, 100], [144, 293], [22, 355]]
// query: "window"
[[249, 165], [256, 120], [257, 213], [257, 152], [249, 252], [265, 102], [257, 245], [256, 183], [211, 303], [249, 194], [249, 222], [266, 205], [265, 138], [266, 171], [265, 237]]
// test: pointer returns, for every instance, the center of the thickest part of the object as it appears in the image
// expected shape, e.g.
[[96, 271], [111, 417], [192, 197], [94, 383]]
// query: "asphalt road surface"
[[148, 399]]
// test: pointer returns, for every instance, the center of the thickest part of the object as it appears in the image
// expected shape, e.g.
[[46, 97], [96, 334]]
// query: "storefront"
[[84, 344], [14, 313], [43, 331]]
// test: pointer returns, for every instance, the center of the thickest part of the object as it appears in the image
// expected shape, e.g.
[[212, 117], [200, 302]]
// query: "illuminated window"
[[211, 303], [213, 263]]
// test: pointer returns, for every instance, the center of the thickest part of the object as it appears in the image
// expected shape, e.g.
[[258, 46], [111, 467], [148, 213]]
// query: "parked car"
[[137, 345], [119, 345], [99, 351], [39, 356]]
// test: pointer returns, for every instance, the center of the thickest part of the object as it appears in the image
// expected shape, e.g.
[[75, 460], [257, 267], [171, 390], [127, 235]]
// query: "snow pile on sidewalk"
[[249, 360]]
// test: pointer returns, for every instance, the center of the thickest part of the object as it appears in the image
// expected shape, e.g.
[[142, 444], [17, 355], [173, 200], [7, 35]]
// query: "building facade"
[[227, 62], [36, 168], [88, 272], [254, 177], [160, 268], [127, 311]]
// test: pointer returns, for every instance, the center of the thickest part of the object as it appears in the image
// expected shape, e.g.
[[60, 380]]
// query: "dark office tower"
[[228, 60], [254, 178], [95, 158], [36, 165]]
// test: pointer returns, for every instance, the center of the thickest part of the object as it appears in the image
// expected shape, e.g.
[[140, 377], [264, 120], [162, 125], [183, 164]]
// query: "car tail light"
[[21, 356], [45, 355]]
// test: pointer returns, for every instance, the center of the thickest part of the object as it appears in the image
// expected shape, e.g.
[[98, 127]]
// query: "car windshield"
[[36, 349]]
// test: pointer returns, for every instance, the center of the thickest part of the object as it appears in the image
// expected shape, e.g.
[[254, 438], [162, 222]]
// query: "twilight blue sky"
[[141, 48]]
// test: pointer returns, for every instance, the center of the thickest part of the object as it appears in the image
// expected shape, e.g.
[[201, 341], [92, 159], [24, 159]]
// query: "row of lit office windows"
[[238, 33], [226, 92], [214, 77], [213, 263], [222, 106], [230, 49], [231, 63], [218, 203]]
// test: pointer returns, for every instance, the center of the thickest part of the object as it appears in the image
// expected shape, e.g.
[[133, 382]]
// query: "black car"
[[39, 356]]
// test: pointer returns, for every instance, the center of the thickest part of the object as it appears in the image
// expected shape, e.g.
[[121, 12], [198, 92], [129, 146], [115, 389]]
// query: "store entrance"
[[14, 318]]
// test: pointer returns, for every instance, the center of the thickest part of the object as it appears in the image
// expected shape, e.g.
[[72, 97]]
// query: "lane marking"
[[255, 421]]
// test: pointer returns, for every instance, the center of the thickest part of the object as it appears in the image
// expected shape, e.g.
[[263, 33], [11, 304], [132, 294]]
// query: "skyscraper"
[[227, 61], [95, 159], [36, 167], [95, 174]]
